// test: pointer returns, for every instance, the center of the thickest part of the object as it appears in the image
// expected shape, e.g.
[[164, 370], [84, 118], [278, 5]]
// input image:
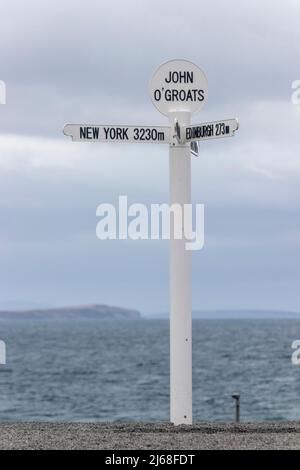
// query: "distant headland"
[[81, 312]]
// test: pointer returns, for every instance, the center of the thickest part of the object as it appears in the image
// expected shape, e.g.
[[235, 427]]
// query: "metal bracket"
[[176, 137]]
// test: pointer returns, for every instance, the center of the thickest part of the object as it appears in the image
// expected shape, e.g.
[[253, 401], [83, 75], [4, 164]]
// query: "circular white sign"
[[178, 85]]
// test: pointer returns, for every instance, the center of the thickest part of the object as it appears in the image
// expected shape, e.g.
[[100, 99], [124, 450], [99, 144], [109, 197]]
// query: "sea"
[[95, 370]]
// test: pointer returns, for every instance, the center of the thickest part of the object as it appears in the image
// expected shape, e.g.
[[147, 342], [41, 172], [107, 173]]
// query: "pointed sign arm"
[[122, 134], [209, 130]]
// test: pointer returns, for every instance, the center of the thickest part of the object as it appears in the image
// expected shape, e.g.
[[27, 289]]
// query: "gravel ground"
[[149, 436]]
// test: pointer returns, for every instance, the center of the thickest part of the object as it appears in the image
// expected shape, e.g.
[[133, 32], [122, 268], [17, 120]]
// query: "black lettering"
[[189, 77], [82, 132], [182, 95], [168, 95], [180, 77], [157, 95], [169, 78], [189, 96], [89, 133], [200, 95], [175, 77], [175, 95], [95, 132], [160, 135], [220, 128]]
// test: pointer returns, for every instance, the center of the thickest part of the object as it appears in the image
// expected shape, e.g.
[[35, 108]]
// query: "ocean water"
[[112, 371]]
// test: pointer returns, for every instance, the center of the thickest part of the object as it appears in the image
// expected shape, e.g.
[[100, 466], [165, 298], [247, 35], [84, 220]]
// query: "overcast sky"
[[91, 61]]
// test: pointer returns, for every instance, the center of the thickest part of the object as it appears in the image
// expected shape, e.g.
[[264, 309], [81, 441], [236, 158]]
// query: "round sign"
[[178, 85]]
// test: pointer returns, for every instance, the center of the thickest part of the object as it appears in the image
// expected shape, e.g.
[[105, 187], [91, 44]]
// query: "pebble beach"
[[137, 436]]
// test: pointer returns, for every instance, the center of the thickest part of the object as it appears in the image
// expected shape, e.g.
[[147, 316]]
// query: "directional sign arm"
[[108, 133], [69, 130], [210, 130]]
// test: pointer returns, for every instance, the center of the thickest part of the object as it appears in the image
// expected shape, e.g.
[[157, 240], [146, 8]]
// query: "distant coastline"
[[235, 314], [79, 312], [107, 312]]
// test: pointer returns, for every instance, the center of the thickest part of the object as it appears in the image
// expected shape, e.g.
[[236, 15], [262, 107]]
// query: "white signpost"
[[178, 89]]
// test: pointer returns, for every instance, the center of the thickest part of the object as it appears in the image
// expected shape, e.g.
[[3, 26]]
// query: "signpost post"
[[178, 89]]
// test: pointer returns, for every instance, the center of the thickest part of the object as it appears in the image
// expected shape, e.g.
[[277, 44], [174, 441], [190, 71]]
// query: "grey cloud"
[[95, 60], [91, 62]]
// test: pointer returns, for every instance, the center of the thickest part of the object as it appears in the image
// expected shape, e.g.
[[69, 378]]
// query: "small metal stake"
[[236, 397]]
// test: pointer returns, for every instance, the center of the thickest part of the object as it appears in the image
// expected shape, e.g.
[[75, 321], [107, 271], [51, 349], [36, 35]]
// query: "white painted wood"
[[180, 288]]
